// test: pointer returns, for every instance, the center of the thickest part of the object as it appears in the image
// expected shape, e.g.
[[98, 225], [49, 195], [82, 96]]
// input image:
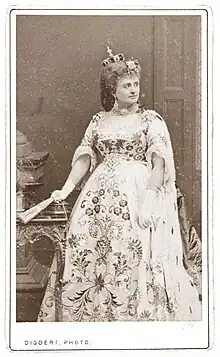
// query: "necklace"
[[124, 111]]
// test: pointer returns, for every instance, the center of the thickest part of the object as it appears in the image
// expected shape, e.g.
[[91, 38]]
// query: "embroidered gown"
[[115, 270]]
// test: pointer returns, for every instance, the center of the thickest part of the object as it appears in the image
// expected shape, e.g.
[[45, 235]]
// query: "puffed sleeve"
[[158, 142], [86, 146]]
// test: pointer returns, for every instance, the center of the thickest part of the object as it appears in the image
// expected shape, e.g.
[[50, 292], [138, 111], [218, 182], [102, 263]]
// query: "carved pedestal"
[[50, 227]]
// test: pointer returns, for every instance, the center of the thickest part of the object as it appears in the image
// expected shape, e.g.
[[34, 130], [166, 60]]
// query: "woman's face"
[[127, 90]]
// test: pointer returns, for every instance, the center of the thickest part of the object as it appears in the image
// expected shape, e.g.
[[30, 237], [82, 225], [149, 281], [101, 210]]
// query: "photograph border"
[[9, 161]]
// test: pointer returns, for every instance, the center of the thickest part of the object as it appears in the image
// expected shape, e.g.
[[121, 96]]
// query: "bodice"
[[134, 138], [122, 137], [128, 148]]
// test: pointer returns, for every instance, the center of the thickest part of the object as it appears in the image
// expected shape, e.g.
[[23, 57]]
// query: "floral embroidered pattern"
[[131, 149], [74, 240], [79, 261], [103, 247], [157, 139], [115, 270], [136, 248]]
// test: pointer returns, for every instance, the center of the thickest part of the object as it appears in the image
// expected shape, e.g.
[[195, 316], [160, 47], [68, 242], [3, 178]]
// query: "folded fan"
[[32, 212]]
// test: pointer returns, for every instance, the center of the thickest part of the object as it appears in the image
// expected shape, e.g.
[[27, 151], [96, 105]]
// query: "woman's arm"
[[78, 171], [84, 160], [157, 175], [155, 182]]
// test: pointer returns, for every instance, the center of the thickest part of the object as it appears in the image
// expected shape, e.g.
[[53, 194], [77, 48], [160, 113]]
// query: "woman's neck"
[[122, 105]]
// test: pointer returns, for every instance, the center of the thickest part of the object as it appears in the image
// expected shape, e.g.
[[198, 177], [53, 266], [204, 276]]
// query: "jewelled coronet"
[[133, 66]]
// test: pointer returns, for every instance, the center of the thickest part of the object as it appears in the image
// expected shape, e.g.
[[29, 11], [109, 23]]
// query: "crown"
[[132, 65], [113, 58]]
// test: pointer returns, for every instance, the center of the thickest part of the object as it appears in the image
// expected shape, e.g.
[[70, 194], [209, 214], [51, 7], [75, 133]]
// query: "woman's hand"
[[58, 195], [145, 219]]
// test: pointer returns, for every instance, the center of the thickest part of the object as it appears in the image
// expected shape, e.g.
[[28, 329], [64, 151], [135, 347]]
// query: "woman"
[[124, 252]]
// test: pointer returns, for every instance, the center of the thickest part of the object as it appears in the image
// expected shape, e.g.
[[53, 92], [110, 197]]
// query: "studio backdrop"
[[58, 65]]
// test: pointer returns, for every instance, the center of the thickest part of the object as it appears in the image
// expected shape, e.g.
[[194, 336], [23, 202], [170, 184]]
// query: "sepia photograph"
[[111, 151]]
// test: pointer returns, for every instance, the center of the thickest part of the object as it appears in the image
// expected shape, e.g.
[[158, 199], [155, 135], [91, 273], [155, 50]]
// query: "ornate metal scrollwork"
[[34, 232]]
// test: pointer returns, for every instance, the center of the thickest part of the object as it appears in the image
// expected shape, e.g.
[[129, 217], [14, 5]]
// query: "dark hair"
[[108, 82]]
